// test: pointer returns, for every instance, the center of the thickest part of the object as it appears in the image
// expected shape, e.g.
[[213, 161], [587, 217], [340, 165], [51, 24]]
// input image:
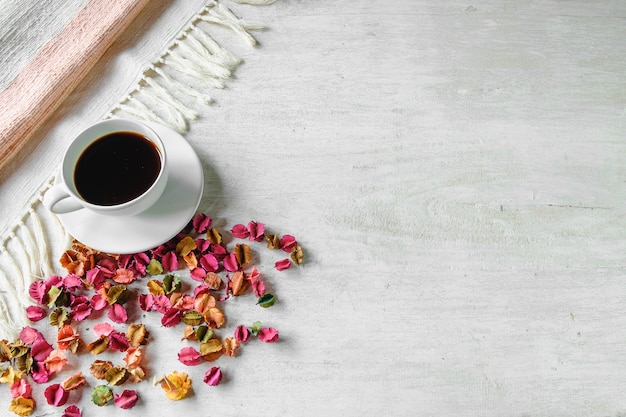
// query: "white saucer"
[[159, 223]]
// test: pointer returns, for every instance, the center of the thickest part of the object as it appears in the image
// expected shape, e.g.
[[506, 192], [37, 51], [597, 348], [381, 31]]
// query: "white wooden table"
[[455, 173]]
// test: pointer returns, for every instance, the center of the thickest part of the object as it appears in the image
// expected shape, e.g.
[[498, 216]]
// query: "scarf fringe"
[[176, 85]]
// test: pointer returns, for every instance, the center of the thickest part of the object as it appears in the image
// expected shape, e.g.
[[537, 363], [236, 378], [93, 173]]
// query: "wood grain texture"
[[56, 70], [455, 173]]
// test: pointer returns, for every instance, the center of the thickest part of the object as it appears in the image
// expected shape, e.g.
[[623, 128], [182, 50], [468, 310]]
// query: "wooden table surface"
[[455, 173]]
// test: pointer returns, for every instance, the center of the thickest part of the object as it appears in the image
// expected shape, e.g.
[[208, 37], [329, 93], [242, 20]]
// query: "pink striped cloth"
[[56, 70]]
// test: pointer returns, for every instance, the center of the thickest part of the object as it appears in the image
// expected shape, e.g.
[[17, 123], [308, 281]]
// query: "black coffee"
[[117, 168]]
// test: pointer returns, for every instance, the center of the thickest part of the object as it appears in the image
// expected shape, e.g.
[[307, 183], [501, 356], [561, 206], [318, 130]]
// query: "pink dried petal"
[[146, 302], [203, 245], [259, 288], [56, 395], [21, 388], [30, 335], [242, 333], [127, 399], [230, 262], [98, 302], [117, 313], [72, 281], [35, 313], [240, 231], [189, 356], [41, 375], [197, 274], [213, 376], [96, 277], [81, 311], [287, 243], [108, 266], [72, 411], [103, 329], [209, 262], [201, 223], [38, 290], [268, 335], [171, 317], [170, 261], [219, 251], [53, 280], [257, 231], [40, 350], [283, 264], [162, 303], [118, 341]]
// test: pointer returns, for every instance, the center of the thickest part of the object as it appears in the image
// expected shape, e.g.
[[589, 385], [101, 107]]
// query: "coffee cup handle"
[[58, 200]]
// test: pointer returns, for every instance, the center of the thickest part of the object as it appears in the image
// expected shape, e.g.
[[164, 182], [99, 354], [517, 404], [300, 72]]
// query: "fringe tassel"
[[193, 58]]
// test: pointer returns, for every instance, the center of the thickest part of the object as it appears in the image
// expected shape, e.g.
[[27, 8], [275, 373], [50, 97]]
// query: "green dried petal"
[[256, 326], [193, 318], [266, 300], [53, 294], [59, 317], [101, 395], [171, 283], [117, 294], [204, 334], [154, 267]]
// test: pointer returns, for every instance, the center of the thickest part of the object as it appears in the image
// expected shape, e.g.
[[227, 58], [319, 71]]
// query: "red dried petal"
[[72, 411], [171, 317], [287, 243], [213, 376], [56, 395], [146, 302], [127, 399], [118, 341], [170, 261]]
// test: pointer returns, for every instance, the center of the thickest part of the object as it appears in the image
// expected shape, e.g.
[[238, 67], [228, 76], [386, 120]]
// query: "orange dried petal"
[[191, 260], [98, 346], [213, 281], [214, 317], [238, 283], [230, 346], [212, 350], [99, 368]]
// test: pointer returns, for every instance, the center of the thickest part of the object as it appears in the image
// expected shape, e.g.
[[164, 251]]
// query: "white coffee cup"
[[116, 167]]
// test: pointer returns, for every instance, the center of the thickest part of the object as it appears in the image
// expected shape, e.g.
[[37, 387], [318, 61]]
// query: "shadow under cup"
[[116, 167]]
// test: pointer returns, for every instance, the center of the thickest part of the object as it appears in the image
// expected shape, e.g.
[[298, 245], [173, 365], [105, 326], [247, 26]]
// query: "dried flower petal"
[[154, 267], [118, 341], [170, 261], [116, 375], [59, 317], [98, 346], [189, 356], [283, 264], [230, 262], [211, 350], [66, 338], [74, 382], [213, 376], [171, 317], [238, 284], [213, 281], [117, 313], [257, 231], [117, 294], [176, 385], [99, 368], [297, 255], [56, 395], [208, 262], [230, 346], [101, 395], [185, 246], [21, 388], [103, 329], [124, 276], [203, 334], [40, 350], [127, 399], [268, 335], [243, 253], [214, 236], [288, 243], [214, 317], [201, 222], [273, 241], [266, 300], [242, 334], [35, 313], [22, 406], [137, 334], [55, 362], [72, 411], [240, 231]]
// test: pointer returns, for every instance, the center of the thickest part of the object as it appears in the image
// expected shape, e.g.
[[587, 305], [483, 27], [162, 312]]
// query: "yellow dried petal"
[[99, 368], [137, 334], [214, 236], [273, 241], [243, 253], [10, 375], [297, 255], [186, 245], [176, 385], [5, 351], [22, 406], [116, 375], [155, 287], [214, 317], [98, 346], [230, 346], [211, 350]]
